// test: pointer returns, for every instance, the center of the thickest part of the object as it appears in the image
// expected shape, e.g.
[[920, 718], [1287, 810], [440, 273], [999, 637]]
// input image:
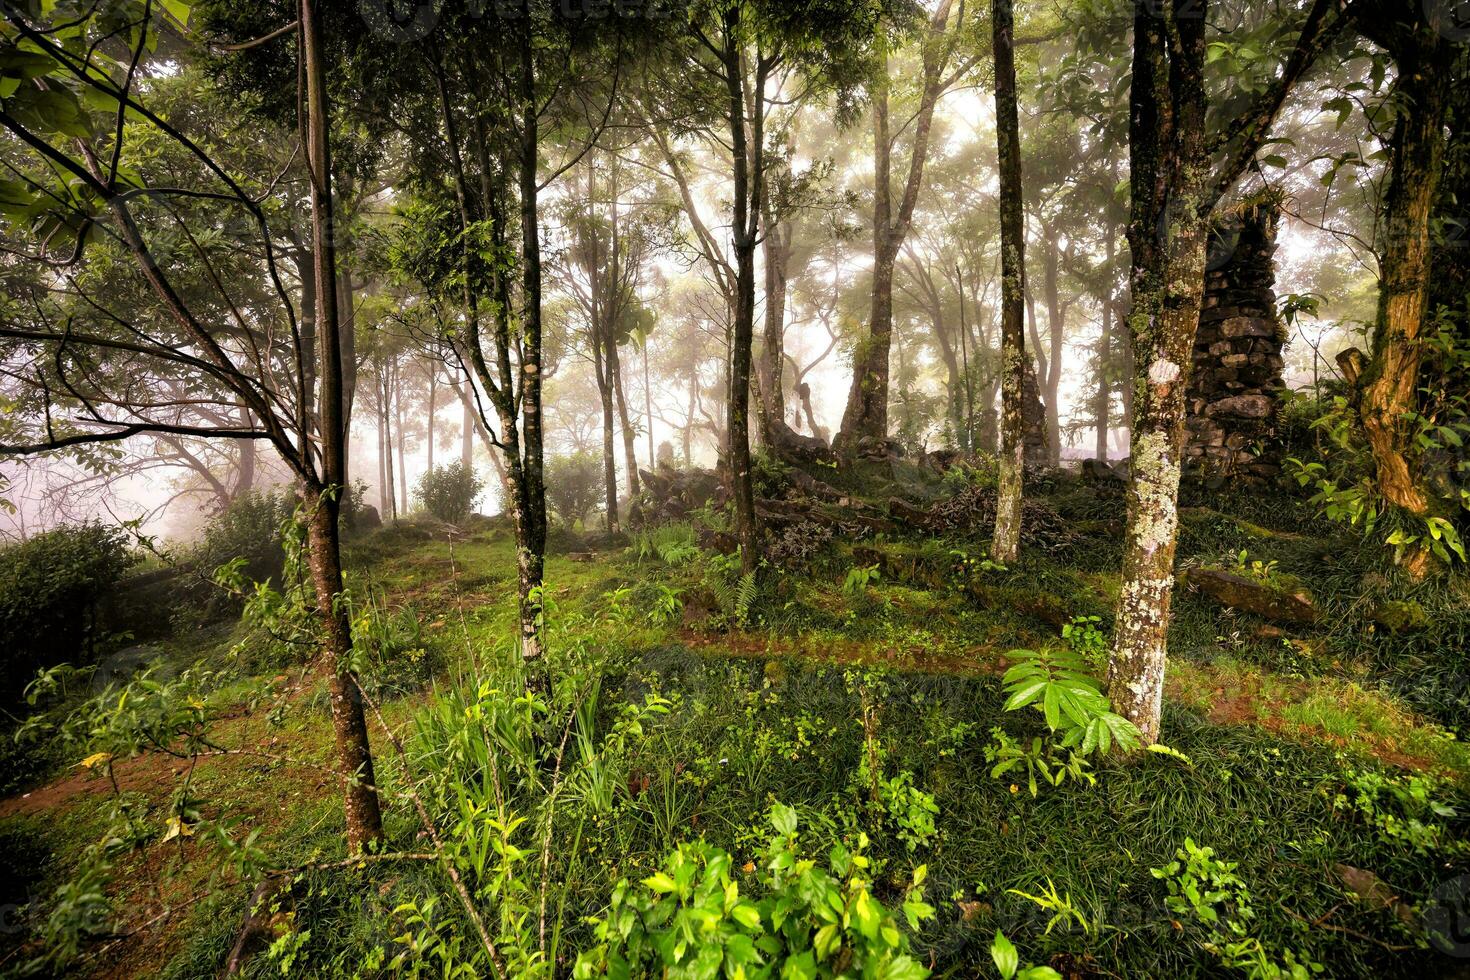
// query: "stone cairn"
[[1234, 395]]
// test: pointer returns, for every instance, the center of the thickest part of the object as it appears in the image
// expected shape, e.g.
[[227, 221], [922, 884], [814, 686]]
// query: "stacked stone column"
[[1234, 394]]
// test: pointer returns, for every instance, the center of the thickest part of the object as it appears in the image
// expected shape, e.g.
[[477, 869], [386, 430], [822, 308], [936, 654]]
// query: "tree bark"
[[776, 246], [866, 414], [602, 368], [531, 508], [746, 191], [349, 726], [1167, 232], [429, 419], [1056, 323], [1388, 392], [1006, 543]]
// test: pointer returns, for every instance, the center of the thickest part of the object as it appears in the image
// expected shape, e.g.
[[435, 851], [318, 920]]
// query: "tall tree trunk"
[[349, 726], [1167, 232], [648, 406], [776, 245], [746, 190], [245, 462], [403, 489], [1006, 544], [531, 506], [429, 419], [866, 414], [1388, 391], [468, 423], [1055, 317], [1103, 402], [602, 368], [687, 436], [630, 438]]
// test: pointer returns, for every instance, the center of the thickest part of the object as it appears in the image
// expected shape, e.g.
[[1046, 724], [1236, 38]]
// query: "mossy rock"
[[1285, 602], [1398, 616]]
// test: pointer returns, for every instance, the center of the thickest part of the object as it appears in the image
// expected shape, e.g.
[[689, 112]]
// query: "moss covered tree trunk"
[[1388, 391], [1167, 231], [1006, 544]]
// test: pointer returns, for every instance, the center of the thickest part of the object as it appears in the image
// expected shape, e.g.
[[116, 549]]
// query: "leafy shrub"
[[691, 919], [1079, 717], [574, 486], [248, 532], [51, 592], [448, 493]]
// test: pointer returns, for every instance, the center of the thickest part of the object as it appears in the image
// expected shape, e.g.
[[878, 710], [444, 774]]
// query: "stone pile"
[[1234, 394]]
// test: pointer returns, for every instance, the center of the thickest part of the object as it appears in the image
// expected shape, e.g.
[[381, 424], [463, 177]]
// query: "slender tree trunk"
[[866, 414], [469, 421], [603, 370], [385, 469], [1167, 232], [630, 438], [1103, 403], [349, 726], [1006, 545], [687, 436], [403, 488], [776, 246], [1055, 317], [745, 187], [245, 462], [648, 406], [531, 507]]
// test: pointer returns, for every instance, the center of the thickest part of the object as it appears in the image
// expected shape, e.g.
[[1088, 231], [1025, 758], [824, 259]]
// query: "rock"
[[1399, 616], [1244, 406], [366, 518], [1247, 326], [788, 444], [1247, 594], [1372, 892]]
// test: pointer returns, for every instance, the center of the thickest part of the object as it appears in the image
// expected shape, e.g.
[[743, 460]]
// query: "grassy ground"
[[1308, 752]]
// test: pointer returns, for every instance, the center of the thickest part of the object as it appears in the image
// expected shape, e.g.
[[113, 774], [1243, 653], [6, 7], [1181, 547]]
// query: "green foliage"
[[449, 492], [690, 918], [1008, 962], [859, 577], [573, 486], [277, 616], [52, 587], [248, 532], [672, 544], [1058, 684], [1343, 483], [1207, 891], [1406, 809]]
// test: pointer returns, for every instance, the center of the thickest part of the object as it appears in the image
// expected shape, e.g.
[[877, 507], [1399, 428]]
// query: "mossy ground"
[[1269, 718]]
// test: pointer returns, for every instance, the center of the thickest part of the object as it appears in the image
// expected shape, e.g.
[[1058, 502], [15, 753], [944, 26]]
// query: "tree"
[[115, 206], [740, 45], [1387, 387], [866, 414], [1173, 190], [1006, 543]]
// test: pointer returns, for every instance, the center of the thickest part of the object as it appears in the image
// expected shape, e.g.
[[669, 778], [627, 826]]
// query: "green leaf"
[[1003, 952]]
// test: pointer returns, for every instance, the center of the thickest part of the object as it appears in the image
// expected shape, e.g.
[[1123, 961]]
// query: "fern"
[[744, 597]]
